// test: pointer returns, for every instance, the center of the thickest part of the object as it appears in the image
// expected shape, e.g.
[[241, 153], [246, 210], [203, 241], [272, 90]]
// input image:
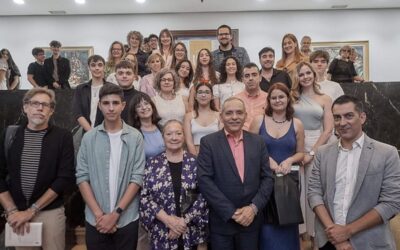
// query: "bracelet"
[[35, 208]]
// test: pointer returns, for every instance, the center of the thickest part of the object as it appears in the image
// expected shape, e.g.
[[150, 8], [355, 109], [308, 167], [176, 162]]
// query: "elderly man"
[[354, 188], [235, 179]]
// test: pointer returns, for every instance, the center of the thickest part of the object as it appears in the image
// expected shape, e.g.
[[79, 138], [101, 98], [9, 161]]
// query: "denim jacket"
[[239, 52], [93, 164]]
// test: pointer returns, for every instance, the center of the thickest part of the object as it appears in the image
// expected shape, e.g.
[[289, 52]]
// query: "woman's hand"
[[307, 159], [273, 165], [286, 166], [176, 224]]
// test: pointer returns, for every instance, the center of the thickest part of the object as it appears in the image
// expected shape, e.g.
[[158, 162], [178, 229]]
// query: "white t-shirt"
[[115, 157], [93, 103]]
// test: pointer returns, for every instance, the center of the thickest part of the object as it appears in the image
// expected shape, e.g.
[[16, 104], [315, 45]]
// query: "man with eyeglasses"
[[57, 68], [36, 168], [226, 48]]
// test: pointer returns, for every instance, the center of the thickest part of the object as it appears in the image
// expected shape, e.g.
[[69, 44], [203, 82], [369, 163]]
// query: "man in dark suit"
[[235, 179], [57, 68]]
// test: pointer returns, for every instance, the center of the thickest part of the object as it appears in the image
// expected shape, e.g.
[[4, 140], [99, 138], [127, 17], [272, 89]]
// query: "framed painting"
[[77, 57], [195, 40], [361, 62]]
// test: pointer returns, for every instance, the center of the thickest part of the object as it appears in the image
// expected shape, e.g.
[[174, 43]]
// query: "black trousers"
[[328, 246], [125, 238], [239, 241]]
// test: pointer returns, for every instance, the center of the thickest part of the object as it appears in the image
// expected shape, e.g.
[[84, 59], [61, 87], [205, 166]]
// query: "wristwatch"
[[311, 153], [119, 210]]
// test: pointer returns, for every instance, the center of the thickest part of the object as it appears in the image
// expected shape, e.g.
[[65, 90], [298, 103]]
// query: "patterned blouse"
[[157, 194]]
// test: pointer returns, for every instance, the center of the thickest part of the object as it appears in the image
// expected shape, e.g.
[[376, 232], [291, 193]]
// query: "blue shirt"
[[153, 143], [93, 164]]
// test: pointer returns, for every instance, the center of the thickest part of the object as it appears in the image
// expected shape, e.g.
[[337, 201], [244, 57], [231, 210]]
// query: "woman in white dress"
[[170, 104], [229, 84]]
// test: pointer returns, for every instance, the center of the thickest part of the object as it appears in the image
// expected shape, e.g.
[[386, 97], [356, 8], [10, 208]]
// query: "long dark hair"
[[174, 62], [196, 104], [222, 69], [289, 108], [189, 78], [133, 118], [211, 71], [10, 61]]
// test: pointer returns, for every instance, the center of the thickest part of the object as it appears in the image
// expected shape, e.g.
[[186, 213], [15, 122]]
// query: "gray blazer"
[[377, 186]]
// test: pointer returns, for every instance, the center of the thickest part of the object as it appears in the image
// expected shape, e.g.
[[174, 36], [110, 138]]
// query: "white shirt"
[[346, 177], [115, 157], [332, 89], [225, 90], [93, 103]]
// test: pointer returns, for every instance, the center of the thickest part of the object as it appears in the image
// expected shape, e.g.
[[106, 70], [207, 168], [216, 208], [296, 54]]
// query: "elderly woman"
[[342, 69], [284, 137], [155, 63], [135, 40], [170, 104], [171, 207]]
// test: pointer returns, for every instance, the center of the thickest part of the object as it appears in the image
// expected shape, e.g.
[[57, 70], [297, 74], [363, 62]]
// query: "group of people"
[[189, 158]]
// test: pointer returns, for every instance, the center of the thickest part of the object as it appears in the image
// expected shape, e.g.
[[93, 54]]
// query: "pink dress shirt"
[[255, 105], [237, 149]]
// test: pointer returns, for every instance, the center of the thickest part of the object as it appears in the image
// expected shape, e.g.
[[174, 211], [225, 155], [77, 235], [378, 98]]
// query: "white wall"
[[256, 30]]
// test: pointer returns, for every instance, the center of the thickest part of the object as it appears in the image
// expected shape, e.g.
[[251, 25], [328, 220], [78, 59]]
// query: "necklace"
[[279, 122]]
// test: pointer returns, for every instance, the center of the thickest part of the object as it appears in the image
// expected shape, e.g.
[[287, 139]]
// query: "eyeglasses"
[[167, 79], [37, 104], [142, 105], [224, 34], [205, 92]]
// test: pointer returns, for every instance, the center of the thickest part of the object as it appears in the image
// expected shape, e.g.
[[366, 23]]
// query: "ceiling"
[[42, 7]]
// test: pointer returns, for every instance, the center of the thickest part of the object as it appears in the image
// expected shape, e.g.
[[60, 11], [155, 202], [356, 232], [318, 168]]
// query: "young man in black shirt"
[[36, 69]]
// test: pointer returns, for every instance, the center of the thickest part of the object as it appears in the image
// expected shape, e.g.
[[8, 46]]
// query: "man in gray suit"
[[354, 188]]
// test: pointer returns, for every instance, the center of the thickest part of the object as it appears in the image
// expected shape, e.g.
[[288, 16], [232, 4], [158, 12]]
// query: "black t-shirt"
[[37, 70], [277, 76]]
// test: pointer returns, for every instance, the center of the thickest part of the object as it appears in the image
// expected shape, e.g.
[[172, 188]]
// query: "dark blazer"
[[64, 70], [220, 183]]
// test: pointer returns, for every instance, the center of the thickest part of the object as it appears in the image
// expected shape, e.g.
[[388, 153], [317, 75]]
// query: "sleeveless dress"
[[276, 237], [198, 131], [311, 115]]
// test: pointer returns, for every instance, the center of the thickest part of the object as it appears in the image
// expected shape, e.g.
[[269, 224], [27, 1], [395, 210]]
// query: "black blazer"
[[220, 183], [64, 70]]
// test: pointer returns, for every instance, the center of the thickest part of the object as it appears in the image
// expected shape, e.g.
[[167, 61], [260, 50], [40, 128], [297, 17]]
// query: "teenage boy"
[[319, 61], [109, 174], [125, 75], [86, 96], [36, 69], [57, 68]]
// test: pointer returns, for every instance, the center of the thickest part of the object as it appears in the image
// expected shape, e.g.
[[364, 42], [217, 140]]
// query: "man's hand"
[[345, 245], [337, 233], [107, 223], [244, 216], [19, 221]]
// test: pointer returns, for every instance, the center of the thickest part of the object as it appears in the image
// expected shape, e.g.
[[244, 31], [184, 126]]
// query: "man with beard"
[[270, 75], [226, 48]]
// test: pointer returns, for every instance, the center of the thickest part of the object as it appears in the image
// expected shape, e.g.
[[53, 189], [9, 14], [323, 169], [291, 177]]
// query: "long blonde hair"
[[297, 89]]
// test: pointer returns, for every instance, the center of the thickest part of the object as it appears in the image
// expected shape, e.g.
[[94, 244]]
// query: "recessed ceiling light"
[[19, 1], [80, 1], [140, 1]]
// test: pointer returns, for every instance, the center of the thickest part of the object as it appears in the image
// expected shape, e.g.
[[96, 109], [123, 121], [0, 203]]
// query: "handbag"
[[284, 205]]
